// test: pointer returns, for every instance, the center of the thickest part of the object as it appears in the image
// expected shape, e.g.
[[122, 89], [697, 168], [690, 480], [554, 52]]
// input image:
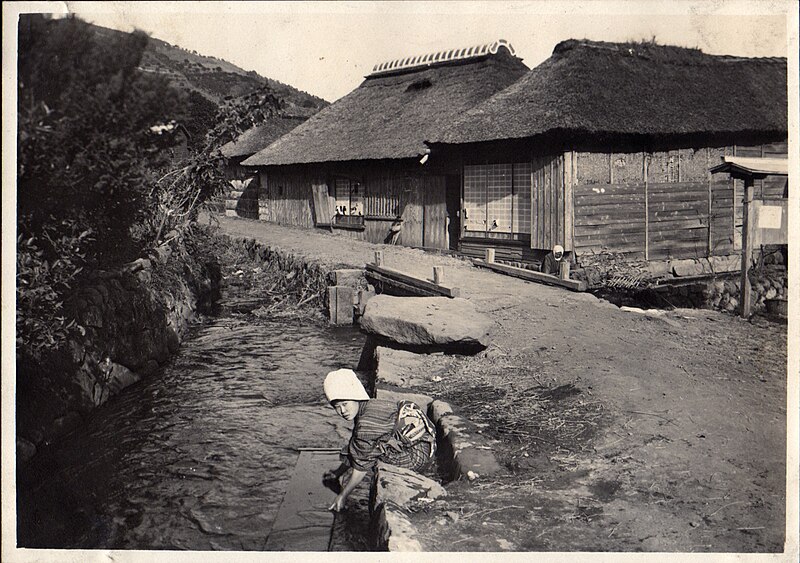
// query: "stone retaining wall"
[[768, 283], [133, 322], [308, 280]]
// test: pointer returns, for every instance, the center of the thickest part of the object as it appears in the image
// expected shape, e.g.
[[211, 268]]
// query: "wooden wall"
[[286, 198], [609, 204], [504, 250], [660, 205], [548, 202]]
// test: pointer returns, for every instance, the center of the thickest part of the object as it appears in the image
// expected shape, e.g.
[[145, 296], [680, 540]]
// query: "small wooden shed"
[[361, 165], [605, 148], [765, 220]]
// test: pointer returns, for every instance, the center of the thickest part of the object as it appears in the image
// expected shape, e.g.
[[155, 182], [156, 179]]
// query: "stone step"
[[392, 490], [303, 522]]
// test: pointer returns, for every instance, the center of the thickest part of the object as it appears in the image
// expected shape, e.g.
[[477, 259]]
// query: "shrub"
[[48, 266], [85, 148]]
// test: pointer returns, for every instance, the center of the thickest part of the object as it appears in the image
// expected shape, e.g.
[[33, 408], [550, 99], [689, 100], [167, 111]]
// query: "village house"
[[606, 149], [361, 165], [243, 196]]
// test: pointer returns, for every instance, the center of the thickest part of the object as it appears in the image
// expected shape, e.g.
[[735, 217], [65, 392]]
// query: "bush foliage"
[[96, 183]]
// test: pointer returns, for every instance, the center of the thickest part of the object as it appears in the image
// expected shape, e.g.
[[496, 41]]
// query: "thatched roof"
[[395, 109], [260, 136], [643, 89]]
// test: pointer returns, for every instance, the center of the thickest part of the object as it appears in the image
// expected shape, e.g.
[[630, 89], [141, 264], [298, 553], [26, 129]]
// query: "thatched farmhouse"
[[361, 164], [606, 149], [243, 195], [255, 139]]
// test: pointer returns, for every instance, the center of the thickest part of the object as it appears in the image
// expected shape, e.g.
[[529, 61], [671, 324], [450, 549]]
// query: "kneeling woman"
[[397, 433]]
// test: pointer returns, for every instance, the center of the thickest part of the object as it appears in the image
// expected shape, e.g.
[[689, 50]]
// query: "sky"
[[327, 48]]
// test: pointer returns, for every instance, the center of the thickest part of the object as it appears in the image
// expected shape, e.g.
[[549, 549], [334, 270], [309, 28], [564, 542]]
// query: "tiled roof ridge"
[[441, 57]]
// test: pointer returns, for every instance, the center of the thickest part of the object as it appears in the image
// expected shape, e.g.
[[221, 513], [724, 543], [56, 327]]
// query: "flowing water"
[[199, 456]]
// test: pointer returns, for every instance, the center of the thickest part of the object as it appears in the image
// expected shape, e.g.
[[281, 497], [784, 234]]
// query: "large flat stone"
[[463, 451], [393, 531], [407, 369], [427, 321], [400, 486], [393, 489], [438, 409]]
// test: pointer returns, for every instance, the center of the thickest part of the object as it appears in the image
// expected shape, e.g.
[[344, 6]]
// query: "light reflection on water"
[[197, 457]]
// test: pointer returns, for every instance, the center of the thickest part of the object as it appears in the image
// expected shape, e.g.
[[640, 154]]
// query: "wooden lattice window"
[[497, 198], [383, 202], [349, 201]]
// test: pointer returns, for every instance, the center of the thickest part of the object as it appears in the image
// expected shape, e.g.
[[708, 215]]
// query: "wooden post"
[[379, 257], [744, 299], [708, 183], [645, 172], [438, 275], [490, 255]]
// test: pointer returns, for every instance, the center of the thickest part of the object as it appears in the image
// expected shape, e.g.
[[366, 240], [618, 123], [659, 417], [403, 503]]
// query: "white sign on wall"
[[769, 217]]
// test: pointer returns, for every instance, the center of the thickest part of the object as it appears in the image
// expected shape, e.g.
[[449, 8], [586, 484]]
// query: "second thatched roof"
[[619, 89], [397, 107], [260, 136]]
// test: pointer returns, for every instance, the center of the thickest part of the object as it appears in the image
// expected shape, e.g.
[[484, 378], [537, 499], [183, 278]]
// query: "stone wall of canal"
[[132, 321]]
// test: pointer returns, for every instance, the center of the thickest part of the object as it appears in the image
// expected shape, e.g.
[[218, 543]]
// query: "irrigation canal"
[[199, 457]]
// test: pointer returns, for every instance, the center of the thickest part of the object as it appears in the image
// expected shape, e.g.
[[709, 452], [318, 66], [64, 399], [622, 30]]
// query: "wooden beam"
[[744, 300], [410, 283], [530, 275], [709, 178], [645, 174], [569, 200]]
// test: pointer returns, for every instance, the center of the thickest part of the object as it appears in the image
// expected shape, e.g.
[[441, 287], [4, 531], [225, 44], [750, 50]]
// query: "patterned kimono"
[[397, 433]]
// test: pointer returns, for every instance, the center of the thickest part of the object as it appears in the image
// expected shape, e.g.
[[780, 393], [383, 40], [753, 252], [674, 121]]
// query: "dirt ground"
[[618, 431]]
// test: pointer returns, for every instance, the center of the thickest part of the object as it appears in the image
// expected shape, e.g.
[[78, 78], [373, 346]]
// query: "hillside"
[[217, 79], [210, 80]]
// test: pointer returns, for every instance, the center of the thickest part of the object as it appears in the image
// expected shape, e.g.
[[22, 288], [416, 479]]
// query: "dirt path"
[[688, 452]]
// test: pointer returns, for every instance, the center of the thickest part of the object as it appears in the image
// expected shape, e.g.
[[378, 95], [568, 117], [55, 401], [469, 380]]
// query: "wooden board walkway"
[[410, 283], [530, 275], [303, 522]]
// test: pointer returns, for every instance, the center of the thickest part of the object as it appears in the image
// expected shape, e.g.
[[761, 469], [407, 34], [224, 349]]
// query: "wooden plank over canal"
[[303, 522]]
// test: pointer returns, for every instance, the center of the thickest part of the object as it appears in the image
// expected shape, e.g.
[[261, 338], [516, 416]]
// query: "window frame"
[[348, 220], [516, 189]]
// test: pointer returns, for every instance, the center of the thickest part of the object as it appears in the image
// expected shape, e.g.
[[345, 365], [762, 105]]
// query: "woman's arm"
[[336, 473], [356, 476]]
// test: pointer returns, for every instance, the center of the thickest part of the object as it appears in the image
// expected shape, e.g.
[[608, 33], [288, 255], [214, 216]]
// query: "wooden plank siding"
[[663, 205], [569, 201], [547, 202], [721, 218], [654, 205], [286, 198], [505, 251], [435, 224], [389, 191], [609, 217]]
